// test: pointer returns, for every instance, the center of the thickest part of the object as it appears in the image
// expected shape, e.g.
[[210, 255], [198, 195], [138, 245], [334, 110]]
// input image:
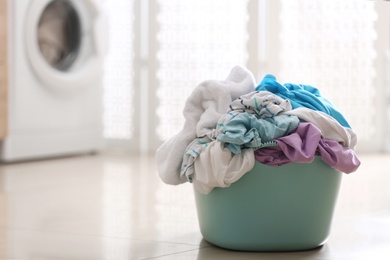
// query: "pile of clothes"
[[232, 123]]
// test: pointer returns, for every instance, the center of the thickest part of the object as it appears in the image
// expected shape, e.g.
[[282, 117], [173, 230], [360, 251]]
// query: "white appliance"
[[55, 68]]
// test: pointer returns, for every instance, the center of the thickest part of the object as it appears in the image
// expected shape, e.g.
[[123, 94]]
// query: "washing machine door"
[[66, 41]]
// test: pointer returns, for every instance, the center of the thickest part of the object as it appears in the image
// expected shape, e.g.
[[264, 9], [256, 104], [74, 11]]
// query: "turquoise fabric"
[[247, 131], [301, 96]]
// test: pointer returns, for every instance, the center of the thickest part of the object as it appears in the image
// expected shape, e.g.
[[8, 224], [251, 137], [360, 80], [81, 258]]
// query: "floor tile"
[[27, 244]]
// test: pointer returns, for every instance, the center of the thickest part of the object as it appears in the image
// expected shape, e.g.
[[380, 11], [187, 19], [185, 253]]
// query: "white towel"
[[207, 103]]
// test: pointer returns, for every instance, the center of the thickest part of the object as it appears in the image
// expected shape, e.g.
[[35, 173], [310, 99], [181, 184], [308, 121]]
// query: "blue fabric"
[[301, 96], [247, 131]]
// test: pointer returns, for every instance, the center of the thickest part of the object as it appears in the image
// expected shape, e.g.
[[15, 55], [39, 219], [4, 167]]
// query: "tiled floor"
[[113, 206]]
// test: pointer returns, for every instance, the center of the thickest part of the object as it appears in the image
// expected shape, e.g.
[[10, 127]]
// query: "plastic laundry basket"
[[283, 208]]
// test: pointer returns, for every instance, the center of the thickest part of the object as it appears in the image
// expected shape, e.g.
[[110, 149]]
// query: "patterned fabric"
[[247, 131], [261, 103]]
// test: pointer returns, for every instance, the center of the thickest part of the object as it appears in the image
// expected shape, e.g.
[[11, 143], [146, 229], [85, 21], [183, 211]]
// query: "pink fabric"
[[303, 144]]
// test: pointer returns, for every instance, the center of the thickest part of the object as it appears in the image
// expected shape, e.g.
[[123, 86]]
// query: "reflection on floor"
[[113, 206]]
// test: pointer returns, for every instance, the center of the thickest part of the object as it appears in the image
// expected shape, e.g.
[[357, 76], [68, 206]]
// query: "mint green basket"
[[272, 208]]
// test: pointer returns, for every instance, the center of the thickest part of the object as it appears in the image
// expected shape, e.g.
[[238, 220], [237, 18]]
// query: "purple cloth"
[[303, 144]]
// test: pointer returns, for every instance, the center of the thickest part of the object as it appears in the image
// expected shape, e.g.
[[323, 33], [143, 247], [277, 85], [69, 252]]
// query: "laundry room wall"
[[160, 50], [3, 69]]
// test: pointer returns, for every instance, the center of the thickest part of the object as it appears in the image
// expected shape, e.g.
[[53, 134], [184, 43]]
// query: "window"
[[197, 40], [332, 45], [119, 72]]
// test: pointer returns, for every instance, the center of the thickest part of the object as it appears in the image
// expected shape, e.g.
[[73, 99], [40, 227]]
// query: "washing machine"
[[56, 52]]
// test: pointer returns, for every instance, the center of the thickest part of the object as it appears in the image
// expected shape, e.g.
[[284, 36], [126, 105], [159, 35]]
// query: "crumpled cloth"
[[247, 131], [261, 103], [330, 127], [303, 144], [216, 166], [204, 107], [194, 149], [301, 96]]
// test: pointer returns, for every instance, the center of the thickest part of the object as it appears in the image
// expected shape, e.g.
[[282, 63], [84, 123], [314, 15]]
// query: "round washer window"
[[59, 34]]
